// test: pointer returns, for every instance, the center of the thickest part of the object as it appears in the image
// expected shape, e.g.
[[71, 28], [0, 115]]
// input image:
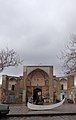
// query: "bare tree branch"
[[8, 58], [69, 57]]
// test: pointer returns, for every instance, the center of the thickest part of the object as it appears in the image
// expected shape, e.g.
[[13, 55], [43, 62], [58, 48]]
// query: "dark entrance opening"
[[35, 94], [63, 96]]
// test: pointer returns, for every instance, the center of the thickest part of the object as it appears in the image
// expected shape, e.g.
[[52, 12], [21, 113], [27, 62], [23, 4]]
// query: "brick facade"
[[12, 88], [35, 79]]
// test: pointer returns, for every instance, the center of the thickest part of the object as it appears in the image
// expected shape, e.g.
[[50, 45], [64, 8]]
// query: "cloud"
[[37, 29]]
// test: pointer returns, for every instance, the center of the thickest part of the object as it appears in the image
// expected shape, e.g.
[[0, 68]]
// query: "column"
[[51, 84]]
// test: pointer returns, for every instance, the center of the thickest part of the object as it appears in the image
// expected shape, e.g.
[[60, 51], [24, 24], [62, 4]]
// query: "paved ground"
[[22, 109], [18, 109]]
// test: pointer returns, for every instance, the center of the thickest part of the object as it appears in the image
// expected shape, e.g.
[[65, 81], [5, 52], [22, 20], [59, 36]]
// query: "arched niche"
[[37, 77]]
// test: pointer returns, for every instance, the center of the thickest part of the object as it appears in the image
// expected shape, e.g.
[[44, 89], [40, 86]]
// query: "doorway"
[[36, 91]]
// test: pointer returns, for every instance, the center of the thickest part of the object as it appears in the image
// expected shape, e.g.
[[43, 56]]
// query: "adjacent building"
[[12, 88]]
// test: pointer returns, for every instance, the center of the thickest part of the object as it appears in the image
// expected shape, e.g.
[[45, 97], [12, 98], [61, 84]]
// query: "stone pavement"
[[22, 109], [18, 109]]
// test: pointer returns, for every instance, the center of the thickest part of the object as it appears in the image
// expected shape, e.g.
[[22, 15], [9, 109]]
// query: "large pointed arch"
[[38, 70], [37, 77]]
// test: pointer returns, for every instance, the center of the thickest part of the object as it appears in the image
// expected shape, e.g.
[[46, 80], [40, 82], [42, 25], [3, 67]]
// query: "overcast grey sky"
[[37, 30]]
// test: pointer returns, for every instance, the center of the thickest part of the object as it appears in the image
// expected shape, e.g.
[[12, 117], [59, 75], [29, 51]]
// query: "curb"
[[39, 114]]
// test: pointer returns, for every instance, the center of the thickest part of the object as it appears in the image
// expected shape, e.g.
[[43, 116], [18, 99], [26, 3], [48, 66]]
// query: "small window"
[[13, 87], [62, 87]]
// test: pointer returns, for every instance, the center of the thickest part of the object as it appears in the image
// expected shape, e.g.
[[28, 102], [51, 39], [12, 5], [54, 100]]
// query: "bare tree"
[[69, 57], [8, 58]]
